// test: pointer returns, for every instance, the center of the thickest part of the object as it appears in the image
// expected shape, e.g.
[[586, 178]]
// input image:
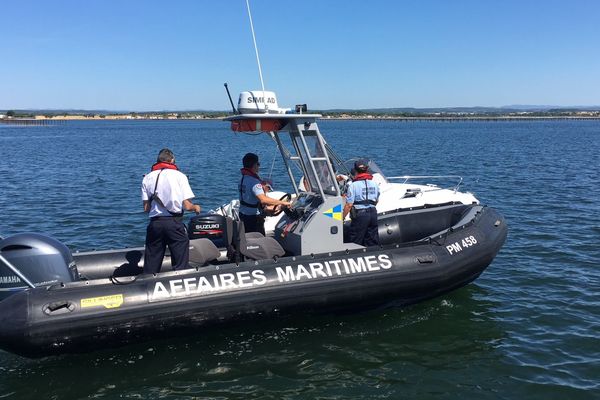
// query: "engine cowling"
[[41, 259]]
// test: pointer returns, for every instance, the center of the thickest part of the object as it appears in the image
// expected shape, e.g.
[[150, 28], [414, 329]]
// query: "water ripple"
[[527, 328]]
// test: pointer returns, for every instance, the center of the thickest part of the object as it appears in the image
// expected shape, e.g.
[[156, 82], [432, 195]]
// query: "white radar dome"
[[259, 102]]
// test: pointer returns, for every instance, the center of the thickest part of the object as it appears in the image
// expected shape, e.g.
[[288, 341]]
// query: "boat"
[[433, 240]]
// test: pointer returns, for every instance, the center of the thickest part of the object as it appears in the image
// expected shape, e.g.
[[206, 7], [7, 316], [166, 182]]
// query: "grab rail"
[[407, 178]]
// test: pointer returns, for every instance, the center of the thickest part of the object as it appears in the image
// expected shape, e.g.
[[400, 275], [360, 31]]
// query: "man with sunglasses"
[[253, 197]]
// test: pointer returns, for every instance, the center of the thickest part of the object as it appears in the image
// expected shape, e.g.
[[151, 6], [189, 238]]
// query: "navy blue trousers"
[[253, 223], [163, 232], [363, 228]]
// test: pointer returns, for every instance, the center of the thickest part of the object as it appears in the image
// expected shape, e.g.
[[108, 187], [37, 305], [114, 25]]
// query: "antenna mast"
[[262, 83]]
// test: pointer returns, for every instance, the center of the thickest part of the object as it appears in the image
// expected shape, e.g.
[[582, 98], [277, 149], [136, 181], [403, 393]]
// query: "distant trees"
[[14, 114]]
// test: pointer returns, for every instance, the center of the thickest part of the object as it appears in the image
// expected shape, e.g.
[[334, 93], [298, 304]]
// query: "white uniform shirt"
[[173, 187]]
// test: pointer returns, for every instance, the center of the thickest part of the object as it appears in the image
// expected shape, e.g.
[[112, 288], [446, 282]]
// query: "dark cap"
[[249, 160], [362, 165]]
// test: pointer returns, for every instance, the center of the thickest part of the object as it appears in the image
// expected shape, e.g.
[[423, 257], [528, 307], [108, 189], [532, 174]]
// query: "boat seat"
[[254, 245], [202, 251], [254, 235]]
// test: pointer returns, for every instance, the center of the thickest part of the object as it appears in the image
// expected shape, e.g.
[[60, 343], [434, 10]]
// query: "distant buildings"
[[130, 116], [7, 116]]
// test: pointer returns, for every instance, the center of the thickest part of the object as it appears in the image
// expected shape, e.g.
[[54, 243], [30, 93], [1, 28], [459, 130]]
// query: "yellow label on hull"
[[112, 301]]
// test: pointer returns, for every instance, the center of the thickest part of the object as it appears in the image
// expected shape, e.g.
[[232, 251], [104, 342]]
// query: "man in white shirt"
[[166, 193]]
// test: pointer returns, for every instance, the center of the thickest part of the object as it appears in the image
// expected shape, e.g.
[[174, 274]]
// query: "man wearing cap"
[[253, 197], [166, 193], [363, 195]]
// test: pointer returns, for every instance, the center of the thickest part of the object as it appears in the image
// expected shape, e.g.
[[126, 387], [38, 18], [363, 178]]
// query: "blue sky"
[[158, 55]]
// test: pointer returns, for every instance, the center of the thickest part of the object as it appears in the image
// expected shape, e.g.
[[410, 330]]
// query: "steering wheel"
[[285, 197]]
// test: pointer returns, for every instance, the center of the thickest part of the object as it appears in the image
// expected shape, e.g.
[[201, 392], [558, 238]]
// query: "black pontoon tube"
[[84, 316]]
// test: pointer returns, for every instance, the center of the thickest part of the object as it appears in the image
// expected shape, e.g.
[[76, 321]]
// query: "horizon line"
[[505, 107]]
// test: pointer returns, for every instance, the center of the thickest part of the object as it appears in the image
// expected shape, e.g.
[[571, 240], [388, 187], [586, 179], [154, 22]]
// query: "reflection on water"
[[293, 356]]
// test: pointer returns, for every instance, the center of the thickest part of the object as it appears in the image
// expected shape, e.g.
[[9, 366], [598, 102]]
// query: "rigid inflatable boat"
[[433, 240]]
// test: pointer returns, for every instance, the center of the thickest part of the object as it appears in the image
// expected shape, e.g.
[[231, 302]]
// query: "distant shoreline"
[[42, 120], [466, 118]]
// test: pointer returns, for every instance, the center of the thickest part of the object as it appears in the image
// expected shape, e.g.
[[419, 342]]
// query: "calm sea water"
[[529, 327]]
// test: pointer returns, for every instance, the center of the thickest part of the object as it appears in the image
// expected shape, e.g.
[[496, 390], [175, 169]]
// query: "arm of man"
[[188, 195], [347, 208], [189, 206], [145, 197], [267, 201], [349, 201], [378, 194]]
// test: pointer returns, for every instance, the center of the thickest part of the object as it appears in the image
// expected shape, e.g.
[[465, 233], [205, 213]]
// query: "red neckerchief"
[[364, 176], [249, 172], [164, 165]]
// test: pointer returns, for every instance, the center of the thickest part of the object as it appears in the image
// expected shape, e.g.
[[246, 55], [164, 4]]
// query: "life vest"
[[365, 177], [247, 172], [164, 165]]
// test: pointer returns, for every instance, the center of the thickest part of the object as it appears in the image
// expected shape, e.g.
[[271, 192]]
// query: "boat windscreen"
[[373, 167], [320, 160]]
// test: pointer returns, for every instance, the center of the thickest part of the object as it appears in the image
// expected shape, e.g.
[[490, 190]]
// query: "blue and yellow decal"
[[335, 212]]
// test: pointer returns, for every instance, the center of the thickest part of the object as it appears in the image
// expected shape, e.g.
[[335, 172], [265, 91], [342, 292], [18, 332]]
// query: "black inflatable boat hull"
[[83, 316]]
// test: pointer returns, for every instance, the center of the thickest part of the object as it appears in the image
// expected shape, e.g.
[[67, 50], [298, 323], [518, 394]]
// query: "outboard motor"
[[40, 259], [214, 227]]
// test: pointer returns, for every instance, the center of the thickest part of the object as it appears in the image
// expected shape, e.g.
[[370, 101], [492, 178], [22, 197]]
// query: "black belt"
[[242, 202], [165, 217], [365, 202]]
